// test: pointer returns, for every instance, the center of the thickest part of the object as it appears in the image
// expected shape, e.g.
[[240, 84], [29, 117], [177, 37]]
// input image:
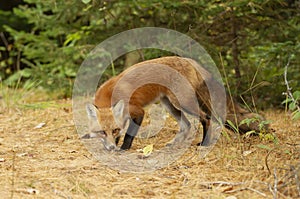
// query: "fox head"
[[106, 124]]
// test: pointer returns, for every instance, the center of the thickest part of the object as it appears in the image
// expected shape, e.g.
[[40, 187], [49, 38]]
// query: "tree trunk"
[[235, 50]]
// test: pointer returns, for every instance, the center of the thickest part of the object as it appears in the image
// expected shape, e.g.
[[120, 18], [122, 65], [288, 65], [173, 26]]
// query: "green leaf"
[[286, 101], [247, 121], [288, 152], [86, 1], [262, 146], [296, 115], [292, 106], [263, 124], [296, 95], [232, 126]]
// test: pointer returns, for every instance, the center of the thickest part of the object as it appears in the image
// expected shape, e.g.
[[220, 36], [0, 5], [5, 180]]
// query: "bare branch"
[[266, 160], [289, 89], [275, 184], [222, 183], [247, 188]]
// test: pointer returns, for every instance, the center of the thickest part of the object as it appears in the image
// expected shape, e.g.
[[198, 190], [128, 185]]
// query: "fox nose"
[[111, 147]]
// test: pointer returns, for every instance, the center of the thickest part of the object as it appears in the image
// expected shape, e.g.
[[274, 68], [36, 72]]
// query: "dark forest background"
[[43, 43]]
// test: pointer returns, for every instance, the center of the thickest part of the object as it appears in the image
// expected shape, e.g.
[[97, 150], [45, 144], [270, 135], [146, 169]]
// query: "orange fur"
[[123, 88]]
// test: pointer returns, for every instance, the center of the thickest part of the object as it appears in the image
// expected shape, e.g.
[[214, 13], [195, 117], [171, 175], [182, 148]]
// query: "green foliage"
[[254, 38], [263, 131], [261, 123], [292, 102], [233, 126], [44, 56], [268, 137]]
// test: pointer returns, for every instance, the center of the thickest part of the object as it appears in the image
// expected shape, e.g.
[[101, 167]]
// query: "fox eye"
[[116, 131], [100, 132]]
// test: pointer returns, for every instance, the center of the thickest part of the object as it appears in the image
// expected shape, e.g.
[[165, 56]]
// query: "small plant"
[[292, 103], [292, 99], [263, 131], [262, 124]]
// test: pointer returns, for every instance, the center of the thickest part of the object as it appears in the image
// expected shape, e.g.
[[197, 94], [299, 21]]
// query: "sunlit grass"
[[12, 97], [28, 95]]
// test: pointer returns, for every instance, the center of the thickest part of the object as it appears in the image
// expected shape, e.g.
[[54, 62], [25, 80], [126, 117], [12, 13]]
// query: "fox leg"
[[131, 132], [180, 118], [185, 124], [206, 135]]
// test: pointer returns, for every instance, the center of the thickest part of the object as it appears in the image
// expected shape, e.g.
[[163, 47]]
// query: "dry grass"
[[52, 162]]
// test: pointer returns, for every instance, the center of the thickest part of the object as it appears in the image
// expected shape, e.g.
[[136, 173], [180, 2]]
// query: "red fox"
[[116, 103]]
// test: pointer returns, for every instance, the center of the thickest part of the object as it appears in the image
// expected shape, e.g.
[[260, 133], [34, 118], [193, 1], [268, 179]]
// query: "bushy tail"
[[242, 119]]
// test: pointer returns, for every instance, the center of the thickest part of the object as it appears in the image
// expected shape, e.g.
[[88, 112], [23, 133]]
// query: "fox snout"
[[110, 147]]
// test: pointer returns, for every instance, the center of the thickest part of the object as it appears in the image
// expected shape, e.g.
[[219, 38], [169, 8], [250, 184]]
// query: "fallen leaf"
[[40, 125], [245, 153], [231, 197], [147, 150], [22, 154]]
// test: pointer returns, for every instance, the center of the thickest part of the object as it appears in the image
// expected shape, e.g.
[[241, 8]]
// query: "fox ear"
[[118, 109], [91, 111]]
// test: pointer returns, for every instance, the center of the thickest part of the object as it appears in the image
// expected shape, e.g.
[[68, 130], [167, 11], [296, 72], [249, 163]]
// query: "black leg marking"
[[131, 132], [127, 142], [206, 135]]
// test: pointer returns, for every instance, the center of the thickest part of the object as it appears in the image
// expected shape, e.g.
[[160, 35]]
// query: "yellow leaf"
[[147, 150]]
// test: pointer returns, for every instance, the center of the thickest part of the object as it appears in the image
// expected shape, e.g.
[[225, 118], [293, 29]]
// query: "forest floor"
[[42, 156]]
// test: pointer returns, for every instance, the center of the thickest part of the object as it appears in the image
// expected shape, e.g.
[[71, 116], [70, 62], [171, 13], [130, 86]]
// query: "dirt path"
[[52, 162]]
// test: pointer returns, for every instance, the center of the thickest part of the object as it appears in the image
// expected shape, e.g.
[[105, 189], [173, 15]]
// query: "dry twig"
[[288, 88], [275, 185], [222, 183], [292, 175], [266, 160], [247, 188]]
